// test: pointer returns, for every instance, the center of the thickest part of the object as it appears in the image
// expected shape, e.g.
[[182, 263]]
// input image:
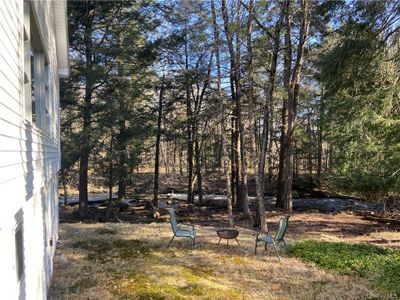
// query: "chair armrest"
[[188, 225]]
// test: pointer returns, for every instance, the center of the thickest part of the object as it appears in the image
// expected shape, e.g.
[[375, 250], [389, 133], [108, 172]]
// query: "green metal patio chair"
[[178, 231], [279, 237]]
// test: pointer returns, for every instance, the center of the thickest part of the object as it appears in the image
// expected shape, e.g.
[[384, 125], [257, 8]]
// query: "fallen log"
[[381, 219]]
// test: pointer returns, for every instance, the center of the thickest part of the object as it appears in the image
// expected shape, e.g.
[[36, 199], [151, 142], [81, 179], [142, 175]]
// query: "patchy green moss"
[[110, 250], [186, 283], [82, 284], [137, 286], [202, 270], [206, 292]]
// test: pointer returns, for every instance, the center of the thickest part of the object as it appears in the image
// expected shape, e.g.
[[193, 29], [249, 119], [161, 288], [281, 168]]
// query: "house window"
[[35, 71], [46, 116], [19, 249], [32, 85], [28, 62]]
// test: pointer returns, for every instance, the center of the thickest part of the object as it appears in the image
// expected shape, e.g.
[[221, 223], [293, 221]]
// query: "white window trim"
[[19, 225], [27, 62], [33, 41]]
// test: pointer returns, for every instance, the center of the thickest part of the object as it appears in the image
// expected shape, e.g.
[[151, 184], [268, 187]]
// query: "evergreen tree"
[[360, 73]]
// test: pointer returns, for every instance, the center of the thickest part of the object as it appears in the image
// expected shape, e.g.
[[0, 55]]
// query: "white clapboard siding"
[[29, 156]]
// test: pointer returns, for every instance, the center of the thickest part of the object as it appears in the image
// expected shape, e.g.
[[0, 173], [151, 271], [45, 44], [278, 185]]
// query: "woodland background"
[[240, 97]]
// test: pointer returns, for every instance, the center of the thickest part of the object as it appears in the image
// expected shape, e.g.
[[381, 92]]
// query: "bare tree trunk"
[[241, 131], [235, 179], [163, 152], [293, 95], [287, 159], [174, 157], [199, 136], [296, 162], [158, 138], [235, 69], [220, 164], [238, 167], [282, 154], [83, 175], [319, 150], [225, 157], [85, 146], [295, 86], [189, 115], [110, 166], [197, 154], [271, 111], [310, 154], [282, 176], [64, 184], [234, 165], [180, 160], [122, 160], [258, 169], [110, 176]]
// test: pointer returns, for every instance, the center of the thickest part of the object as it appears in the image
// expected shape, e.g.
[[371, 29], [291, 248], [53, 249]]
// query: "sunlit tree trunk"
[[189, 116], [225, 157], [258, 169], [235, 70], [292, 84]]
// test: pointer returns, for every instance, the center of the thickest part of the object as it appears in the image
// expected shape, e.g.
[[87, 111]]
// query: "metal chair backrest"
[[282, 227], [172, 220]]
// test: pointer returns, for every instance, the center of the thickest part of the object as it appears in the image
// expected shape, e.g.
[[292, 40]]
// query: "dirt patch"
[[308, 224]]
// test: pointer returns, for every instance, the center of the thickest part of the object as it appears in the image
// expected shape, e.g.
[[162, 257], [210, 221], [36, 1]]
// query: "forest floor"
[[129, 260]]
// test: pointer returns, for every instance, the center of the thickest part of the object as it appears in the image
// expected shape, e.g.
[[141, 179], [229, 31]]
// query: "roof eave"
[[61, 32]]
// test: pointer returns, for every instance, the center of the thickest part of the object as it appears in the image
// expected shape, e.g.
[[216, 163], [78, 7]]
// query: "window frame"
[[19, 262], [36, 111]]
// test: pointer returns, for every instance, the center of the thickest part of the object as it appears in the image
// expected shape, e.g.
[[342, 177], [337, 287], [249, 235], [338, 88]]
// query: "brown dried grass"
[[209, 271]]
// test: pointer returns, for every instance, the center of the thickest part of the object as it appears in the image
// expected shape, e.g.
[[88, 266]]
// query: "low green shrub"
[[381, 266]]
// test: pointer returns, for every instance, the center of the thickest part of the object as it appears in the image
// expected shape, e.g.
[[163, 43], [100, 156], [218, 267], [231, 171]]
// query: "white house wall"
[[29, 158]]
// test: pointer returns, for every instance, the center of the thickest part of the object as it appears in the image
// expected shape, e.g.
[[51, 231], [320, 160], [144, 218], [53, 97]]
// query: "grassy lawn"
[[130, 261], [381, 266]]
